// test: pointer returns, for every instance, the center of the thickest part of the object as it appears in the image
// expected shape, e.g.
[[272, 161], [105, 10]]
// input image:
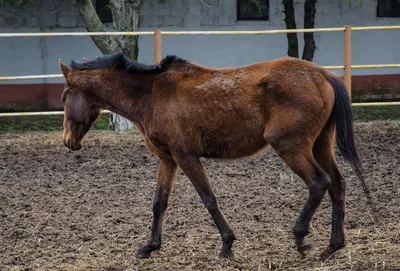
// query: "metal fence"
[[347, 64]]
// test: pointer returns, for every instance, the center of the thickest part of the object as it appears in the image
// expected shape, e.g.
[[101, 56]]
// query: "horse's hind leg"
[[324, 154], [297, 154]]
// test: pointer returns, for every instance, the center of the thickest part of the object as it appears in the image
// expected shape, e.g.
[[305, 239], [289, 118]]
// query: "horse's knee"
[[159, 206], [210, 202]]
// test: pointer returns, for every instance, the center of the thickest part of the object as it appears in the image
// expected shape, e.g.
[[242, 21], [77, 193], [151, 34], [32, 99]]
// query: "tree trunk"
[[290, 21], [106, 44], [309, 19], [126, 17]]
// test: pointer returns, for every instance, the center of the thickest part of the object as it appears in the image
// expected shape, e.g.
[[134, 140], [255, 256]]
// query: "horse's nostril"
[[69, 143]]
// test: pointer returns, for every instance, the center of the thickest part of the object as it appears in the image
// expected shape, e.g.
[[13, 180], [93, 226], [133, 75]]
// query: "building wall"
[[33, 55]]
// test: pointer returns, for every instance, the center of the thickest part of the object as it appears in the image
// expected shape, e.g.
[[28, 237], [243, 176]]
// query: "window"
[[104, 11], [388, 8], [253, 10]]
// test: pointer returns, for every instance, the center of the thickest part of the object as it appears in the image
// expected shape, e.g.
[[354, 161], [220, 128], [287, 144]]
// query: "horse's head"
[[79, 110]]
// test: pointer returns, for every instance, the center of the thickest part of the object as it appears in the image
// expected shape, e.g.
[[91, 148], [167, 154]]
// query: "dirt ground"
[[91, 210]]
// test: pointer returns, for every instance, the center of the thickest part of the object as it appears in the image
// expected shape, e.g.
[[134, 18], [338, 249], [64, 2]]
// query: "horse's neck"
[[131, 101]]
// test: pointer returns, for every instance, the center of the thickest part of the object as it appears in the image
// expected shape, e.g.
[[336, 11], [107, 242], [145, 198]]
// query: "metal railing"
[[347, 67]]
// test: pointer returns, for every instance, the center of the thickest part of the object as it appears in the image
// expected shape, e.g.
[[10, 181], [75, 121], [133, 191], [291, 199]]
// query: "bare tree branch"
[[207, 5]]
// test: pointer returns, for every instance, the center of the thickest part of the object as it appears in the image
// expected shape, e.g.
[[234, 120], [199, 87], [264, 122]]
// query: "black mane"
[[119, 62]]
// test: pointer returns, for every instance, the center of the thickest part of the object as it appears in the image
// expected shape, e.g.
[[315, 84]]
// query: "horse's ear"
[[64, 69], [85, 59]]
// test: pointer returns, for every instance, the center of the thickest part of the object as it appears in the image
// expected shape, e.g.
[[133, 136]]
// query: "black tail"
[[342, 118]]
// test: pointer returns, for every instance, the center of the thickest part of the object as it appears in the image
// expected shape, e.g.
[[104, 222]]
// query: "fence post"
[[157, 46], [347, 58]]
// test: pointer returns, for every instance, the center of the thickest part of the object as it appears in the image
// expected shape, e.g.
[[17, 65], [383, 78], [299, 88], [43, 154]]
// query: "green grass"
[[55, 122], [376, 113], [42, 123]]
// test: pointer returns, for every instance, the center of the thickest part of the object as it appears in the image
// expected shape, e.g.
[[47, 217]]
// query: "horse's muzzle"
[[74, 146]]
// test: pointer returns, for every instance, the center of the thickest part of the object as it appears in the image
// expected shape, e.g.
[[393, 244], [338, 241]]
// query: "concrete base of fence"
[[376, 88], [30, 97]]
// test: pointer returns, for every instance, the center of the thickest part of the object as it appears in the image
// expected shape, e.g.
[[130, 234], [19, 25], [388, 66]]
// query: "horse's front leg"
[[192, 167], [166, 179]]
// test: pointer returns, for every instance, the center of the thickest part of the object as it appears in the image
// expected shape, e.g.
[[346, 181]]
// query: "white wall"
[[25, 56]]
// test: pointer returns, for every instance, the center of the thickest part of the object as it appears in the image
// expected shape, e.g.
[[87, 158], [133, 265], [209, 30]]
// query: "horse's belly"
[[236, 147]]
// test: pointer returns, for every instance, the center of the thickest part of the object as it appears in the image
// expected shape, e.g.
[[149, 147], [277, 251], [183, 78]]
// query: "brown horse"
[[186, 111]]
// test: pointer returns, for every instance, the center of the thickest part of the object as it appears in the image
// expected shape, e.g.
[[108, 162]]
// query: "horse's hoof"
[[326, 255], [226, 254], [329, 253], [302, 248], [143, 253]]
